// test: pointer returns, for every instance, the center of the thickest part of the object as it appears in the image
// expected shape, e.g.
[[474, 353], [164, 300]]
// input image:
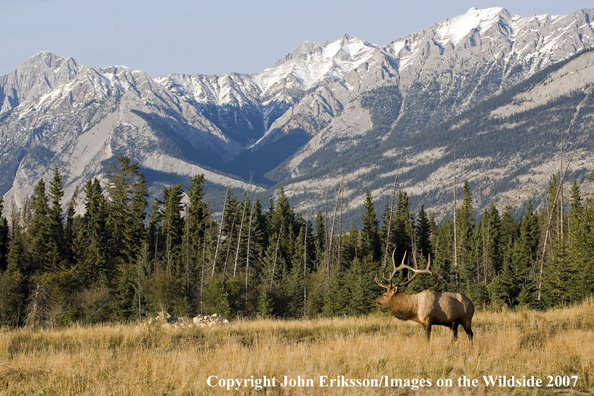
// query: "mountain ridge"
[[319, 103]]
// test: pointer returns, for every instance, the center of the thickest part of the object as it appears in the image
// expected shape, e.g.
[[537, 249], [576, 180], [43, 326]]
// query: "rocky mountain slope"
[[507, 147], [344, 107]]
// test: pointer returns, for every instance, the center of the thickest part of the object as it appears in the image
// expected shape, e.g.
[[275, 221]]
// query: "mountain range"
[[491, 97]]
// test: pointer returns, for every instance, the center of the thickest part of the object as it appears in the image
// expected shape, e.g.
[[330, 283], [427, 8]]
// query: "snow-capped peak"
[[454, 30], [312, 62]]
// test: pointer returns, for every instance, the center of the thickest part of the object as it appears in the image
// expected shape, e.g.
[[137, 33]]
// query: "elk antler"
[[404, 266], [416, 271], [393, 273]]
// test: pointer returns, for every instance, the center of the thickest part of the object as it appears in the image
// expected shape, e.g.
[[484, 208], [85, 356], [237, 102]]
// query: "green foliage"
[[370, 238], [58, 268], [3, 238]]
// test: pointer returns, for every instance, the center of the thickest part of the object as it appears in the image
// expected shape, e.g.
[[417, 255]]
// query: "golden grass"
[[146, 360]]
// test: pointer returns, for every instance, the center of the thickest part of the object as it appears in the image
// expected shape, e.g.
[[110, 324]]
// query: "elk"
[[427, 307]]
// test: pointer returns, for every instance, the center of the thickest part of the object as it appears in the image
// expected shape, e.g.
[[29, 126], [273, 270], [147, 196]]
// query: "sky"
[[218, 36]]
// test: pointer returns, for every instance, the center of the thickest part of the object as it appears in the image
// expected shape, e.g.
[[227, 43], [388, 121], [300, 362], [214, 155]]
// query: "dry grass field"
[[148, 360]]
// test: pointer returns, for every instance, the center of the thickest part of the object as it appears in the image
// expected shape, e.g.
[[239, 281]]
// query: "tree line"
[[115, 262]]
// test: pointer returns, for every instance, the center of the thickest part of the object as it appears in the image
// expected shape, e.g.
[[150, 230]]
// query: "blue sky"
[[217, 36]]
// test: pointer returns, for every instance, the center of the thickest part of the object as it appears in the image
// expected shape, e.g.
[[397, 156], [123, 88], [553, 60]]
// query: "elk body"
[[427, 308]]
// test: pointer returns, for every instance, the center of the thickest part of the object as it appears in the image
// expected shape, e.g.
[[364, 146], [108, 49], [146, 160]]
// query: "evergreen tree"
[[127, 192], [172, 225], [73, 227], [144, 271], [216, 297], [370, 239], [510, 231], [264, 307], [193, 242], [515, 284], [336, 300], [92, 242], [423, 233], [465, 230], [38, 233], [403, 229], [320, 239], [13, 280], [127, 197], [4, 240], [57, 254], [442, 241], [581, 251], [357, 288], [351, 249], [556, 275], [295, 281]]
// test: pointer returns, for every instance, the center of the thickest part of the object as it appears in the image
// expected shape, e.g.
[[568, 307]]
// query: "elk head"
[[392, 289]]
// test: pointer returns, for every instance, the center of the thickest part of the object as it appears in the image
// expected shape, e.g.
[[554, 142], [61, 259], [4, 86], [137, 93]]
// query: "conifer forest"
[[120, 261]]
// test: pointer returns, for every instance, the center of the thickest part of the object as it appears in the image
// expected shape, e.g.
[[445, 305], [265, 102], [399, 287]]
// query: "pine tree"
[[127, 197], [320, 239], [370, 239], [442, 242], [38, 233], [92, 253], [144, 271], [515, 285], [172, 225], [73, 227], [581, 251], [57, 254], [423, 233], [557, 271], [295, 280], [4, 240], [403, 229], [465, 230], [264, 307], [336, 300], [127, 192], [193, 241], [13, 280], [358, 290], [351, 249]]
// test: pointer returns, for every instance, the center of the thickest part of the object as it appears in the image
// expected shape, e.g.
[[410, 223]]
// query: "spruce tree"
[[127, 198], [336, 300], [57, 253], [370, 239], [193, 242], [172, 225], [38, 233], [351, 249], [13, 280], [358, 290], [423, 233], [124, 218], [4, 240], [581, 229], [403, 229], [92, 254], [465, 230]]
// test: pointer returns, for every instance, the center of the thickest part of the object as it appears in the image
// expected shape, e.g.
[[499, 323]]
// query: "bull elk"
[[427, 307]]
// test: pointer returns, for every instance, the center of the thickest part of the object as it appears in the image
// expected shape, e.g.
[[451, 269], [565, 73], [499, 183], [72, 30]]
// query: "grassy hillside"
[[148, 360]]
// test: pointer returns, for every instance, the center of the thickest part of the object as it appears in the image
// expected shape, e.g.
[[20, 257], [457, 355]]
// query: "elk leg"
[[428, 331], [455, 331], [468, 330]]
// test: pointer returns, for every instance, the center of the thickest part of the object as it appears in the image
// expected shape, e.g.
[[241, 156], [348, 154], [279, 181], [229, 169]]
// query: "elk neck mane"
[[404, 306]]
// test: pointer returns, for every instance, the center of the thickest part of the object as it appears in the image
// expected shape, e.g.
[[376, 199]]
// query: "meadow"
[[556, 347]]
